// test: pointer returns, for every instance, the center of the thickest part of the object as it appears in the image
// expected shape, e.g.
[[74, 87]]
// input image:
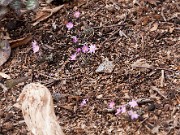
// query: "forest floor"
[[140, 42]]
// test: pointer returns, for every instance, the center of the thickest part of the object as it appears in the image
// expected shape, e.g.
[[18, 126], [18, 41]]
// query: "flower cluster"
[[85, 48], [122, 109]]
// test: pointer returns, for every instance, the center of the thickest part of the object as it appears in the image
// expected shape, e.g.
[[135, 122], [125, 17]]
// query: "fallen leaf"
[[155, 26], [106, 66], [5, 75], [155, 130], [140, 63], [144, 20], [13, 82], [44, 14]]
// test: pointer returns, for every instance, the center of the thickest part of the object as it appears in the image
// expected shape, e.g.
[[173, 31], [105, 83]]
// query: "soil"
[[124, 31]]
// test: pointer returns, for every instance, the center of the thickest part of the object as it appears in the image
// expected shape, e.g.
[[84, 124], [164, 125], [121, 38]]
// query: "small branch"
[[162, 78], [5, 89], [157, 90]]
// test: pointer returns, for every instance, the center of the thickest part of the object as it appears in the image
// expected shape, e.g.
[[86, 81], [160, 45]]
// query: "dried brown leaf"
[[140, 63], [155, 130], [154, 27], [44, 14]]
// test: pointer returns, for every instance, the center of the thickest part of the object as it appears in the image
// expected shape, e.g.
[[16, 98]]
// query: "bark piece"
[[36, 104]]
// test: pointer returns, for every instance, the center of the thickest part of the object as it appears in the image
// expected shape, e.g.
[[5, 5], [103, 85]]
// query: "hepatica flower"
[[133, 114], [73, 56], [85, 49], [118, 111], [84, 102], [69, 25], [123, 109], [75, 39], [92, 48], [76, 14], [133, 103], [78, 50], [35, 46], [111, 105]]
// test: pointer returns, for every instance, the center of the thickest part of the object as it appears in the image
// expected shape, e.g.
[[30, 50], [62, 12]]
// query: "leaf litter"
[[136, 36]]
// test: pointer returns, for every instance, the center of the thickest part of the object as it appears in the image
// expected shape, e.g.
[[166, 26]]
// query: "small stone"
[[56, 96], [99, 96], [151, 107], [106, 66]]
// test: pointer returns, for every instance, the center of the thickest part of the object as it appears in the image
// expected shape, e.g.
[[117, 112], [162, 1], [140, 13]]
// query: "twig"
[[108, 26], [157, 90], [141, 124], [162, 78], [162, 14], [3, 87], [110, 36]]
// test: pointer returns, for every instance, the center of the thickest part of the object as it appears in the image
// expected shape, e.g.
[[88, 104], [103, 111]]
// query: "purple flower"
[[133, 115], [111, 105], [73, 56], [84, 102], [35, 46], [69, 25], [85, 49], [92, 48], [133, 103], [123, 109], [75, 39], [76, 14], [78, 50], [118, 111]]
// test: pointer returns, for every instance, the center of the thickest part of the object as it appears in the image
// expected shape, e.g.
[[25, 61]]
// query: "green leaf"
[[32, 4]]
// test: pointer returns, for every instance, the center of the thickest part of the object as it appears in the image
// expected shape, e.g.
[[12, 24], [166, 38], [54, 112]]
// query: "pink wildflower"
[[69, 25], [123, 109], [76, 14], [133, 103], [75, 39], [85, 49], [118, 111], [133, 115], [84, 102], [92, 48], [35, 46], [111, 105], [73, 56], [78, 50]]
